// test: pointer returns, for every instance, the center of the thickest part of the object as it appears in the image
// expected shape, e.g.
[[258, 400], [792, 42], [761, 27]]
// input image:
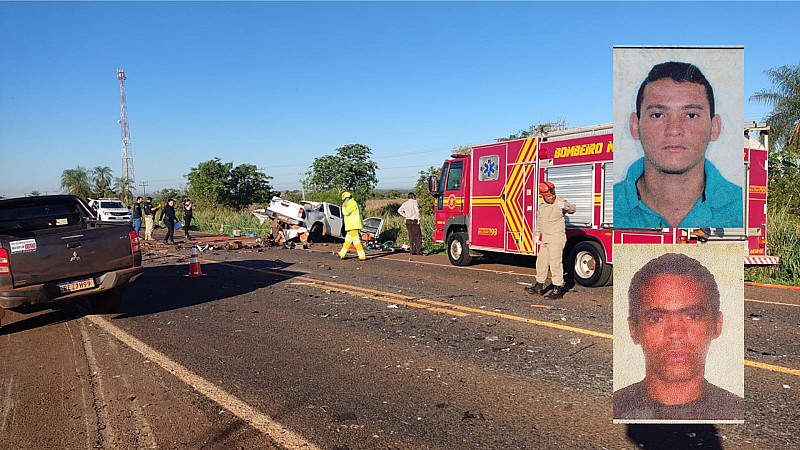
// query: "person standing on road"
[[352, 225], [188, 208], [149, 218], [169, 221], [410, 211], [137, 215], [551, 229]]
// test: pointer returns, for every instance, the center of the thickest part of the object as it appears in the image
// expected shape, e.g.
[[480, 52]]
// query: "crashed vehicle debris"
[[303, 223]]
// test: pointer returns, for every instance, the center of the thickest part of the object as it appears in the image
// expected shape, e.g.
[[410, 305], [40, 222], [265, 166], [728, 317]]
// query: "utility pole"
[[127, 152], [143, 184]]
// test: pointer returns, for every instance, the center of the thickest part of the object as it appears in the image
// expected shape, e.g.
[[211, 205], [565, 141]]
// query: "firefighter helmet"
[[547, 188], [345, 195]]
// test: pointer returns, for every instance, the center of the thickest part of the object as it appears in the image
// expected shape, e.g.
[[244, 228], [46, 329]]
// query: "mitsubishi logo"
[[75, 257]]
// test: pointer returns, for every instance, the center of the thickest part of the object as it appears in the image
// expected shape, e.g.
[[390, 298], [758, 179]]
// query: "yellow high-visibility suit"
[[352, 225]]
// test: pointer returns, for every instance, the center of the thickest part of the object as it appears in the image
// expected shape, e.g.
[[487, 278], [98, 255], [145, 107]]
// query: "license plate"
[[73, 286]]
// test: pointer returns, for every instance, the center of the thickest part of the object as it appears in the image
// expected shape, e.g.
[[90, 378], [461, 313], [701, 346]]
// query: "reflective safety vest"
[[352, 216]]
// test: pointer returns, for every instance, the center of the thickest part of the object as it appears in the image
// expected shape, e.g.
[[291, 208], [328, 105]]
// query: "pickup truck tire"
[[108, 302], [458, 249], [587, 264], [315, 236]]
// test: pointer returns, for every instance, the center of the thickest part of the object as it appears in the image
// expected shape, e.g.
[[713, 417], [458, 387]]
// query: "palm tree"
[[123, 188], [76, 182], [102, 180], [785, 100]]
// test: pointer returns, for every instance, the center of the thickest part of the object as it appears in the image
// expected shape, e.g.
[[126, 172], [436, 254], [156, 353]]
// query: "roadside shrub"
[[783, 241]]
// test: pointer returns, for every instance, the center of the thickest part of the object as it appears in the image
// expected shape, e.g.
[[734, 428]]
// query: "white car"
[[110, 210]]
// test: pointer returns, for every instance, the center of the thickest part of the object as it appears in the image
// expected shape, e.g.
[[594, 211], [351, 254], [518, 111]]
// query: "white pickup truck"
[[319, 218], [110, 209]]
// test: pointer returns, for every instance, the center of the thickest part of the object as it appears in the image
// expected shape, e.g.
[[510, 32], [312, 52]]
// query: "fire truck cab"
[[486, 201]]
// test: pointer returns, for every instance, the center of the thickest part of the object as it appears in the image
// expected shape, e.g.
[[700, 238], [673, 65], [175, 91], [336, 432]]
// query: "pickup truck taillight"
[[134, 242], [5, 266], [302, 213]]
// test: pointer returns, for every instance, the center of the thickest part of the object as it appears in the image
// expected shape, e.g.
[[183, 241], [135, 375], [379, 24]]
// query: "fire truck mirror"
[[433, 185]]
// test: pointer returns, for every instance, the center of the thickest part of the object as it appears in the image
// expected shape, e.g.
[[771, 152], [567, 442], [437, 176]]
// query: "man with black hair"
[[674, 314], [169, 221], [149, 218], [674, 185], [137, 215], [410, 211]]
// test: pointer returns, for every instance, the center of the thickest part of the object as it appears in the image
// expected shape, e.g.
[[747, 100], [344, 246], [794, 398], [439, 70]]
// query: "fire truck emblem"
[[488, 165], [451, 201]]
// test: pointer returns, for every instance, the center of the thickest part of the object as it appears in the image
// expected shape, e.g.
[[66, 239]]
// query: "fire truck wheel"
[[587, 264], [458, 250]]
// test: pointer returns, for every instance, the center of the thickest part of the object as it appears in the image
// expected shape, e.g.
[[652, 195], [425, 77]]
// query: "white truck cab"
[[110, 210]]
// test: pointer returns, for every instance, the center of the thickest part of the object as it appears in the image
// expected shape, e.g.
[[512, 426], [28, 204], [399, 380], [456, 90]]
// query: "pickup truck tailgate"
[[49, 257]]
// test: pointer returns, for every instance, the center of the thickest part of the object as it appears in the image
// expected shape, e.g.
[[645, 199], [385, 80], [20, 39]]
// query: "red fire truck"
[[487, 201]]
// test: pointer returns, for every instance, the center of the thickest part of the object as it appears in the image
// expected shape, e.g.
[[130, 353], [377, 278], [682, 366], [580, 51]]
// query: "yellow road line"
[[446, 306], [557, 326], [262, 422], [776, 286], [771, 367], [772, 303]]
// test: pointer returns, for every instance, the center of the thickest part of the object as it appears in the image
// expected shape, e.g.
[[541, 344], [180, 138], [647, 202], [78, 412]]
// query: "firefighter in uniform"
[[352, 225], [551, 229]]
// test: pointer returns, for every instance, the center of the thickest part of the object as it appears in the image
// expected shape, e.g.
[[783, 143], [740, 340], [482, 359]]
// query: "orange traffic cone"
[[222, 228], [194, 265]]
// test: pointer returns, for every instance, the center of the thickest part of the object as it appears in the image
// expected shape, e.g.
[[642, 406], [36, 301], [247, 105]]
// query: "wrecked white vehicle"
[[317, 219]]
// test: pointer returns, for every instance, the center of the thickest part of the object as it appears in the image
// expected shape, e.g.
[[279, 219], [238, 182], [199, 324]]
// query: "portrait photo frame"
[[723, 67], [724, 365]]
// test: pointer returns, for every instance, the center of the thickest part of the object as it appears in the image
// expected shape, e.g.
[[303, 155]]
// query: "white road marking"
[[262, 422], [104, 424]]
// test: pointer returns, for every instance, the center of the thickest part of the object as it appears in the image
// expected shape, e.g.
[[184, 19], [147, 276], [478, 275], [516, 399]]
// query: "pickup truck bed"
[[52, 248]]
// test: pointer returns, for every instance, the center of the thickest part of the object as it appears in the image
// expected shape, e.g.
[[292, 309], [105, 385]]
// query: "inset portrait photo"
[[678, 137], [678, 333]]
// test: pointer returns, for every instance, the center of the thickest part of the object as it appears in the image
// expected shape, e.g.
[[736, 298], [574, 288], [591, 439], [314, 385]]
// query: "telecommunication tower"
[[127, 152]]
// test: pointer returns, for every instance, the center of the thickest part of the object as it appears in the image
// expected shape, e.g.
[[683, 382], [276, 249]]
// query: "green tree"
[[541, 128], [161, 197], [784, 97], [424, 198], [33, 193], [350, 169], [246, 185], [462, 150], [208, 182], [76, 182], [123, 188], [101, 179]]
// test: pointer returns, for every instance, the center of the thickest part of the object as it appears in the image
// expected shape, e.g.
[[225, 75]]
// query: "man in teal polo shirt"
[[674, 185]]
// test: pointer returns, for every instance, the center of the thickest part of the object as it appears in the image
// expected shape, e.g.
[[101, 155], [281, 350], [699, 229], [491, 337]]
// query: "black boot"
[[557, 293], [537, 289]]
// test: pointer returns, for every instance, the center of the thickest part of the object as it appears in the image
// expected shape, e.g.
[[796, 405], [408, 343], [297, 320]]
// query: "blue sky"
[[278, 84]]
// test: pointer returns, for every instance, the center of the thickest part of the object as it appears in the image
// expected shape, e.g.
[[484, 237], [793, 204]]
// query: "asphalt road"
[[296, 348]]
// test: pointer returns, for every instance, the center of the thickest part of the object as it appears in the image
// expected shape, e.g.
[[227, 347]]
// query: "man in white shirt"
[[410, 211]]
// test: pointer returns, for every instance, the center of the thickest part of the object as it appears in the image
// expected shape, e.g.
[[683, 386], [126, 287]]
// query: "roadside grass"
[[783, 236], [783, 241], [208, 220]]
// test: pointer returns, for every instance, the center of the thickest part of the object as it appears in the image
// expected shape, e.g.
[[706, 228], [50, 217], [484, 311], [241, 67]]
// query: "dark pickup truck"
[[53, 248]]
